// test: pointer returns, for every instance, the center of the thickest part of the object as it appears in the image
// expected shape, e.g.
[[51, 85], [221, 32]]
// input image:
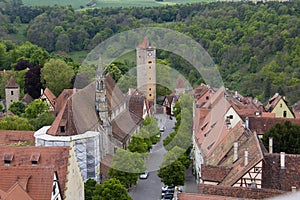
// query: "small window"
[[207, 97], [150, 89], [150, 78], [149, 67], [281, 105], [284, 113], [149, 62], [12, 92], [62, 129], [150, 95], [6, 162]]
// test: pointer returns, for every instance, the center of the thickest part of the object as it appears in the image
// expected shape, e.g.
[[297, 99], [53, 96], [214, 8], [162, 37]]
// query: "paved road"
[[150, 189]]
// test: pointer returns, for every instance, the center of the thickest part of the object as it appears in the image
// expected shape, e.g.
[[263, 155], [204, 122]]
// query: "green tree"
[[15, 123], [89, 187], [286, 137], [137, 144], [114, 71], [126, 167], [44, 119], [152, 128], [112, 189], [36, 108], [172, 174], [57, 75], [18, 108]]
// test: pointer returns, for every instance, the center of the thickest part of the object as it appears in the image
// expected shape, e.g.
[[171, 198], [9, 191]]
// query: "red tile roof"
[[214, 173], [61, 100], [12, 83], [50, 96], [144, 44], [35, 180], [136, 104], [238, 192], [260, 125], [8, 137], [274, 177]]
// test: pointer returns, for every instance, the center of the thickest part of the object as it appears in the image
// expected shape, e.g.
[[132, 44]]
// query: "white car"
[[162, 129], [144, 175]]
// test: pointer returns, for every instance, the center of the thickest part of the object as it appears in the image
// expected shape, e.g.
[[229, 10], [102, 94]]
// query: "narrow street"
[[150, 188]]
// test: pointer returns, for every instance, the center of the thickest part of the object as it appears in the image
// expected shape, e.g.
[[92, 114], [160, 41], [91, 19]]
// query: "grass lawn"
[[107, 3]]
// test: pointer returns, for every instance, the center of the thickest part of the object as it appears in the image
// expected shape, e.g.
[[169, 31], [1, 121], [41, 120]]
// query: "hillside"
[[256, 47]]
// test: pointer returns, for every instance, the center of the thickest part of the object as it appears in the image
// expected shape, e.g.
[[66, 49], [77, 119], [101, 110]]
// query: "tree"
[[286, 137], [126, 167], [172, 174], [57, 75], [33, 83], [18, 108], [15, 123], [137, 144], [151, 126], [89, 187], [44, 119], [114, 71], [112, 189], [36, 108]]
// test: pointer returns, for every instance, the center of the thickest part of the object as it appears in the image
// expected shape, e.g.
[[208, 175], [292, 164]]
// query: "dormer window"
[[7, 158], [34, 158], [62, 125]]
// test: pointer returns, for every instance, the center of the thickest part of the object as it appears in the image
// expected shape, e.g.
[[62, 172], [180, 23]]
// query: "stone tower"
[[100, 96], [12, 92], [146, 69]]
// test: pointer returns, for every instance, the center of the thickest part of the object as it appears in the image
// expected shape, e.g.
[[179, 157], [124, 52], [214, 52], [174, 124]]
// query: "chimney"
[[270, 144], [235, 151], [282, 160], [294, 189], [246, 157], [247, 123]]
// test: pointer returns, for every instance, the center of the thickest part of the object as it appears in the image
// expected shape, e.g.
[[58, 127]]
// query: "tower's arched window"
[[100, 85]]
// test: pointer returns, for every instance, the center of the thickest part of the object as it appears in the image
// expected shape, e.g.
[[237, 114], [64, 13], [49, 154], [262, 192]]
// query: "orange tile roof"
[[8, 137], [50, 96], [35, 180], [61, 100]]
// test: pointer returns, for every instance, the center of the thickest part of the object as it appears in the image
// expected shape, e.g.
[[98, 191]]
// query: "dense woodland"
[[256, 47]]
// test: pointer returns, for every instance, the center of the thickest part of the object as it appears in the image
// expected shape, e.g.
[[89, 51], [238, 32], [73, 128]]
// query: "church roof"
[[11, 83]]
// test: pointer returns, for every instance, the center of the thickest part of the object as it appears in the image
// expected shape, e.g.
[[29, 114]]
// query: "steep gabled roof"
[[62, 99], [50, 96], [136, 104], [212, 128], [11, 83], [248, 141], [35, 180], [114, 95], [272, 102], [27, 99], [125, 124]]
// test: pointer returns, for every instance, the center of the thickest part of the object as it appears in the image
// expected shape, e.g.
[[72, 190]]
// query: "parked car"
[[144, 175], [168, 197], [162, 129], [166, 187]]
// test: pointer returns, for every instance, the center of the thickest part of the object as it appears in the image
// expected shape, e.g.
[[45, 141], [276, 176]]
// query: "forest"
[[256, 47]]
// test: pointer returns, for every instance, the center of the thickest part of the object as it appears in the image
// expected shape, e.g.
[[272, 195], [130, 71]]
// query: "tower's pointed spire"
[[100, 71]]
